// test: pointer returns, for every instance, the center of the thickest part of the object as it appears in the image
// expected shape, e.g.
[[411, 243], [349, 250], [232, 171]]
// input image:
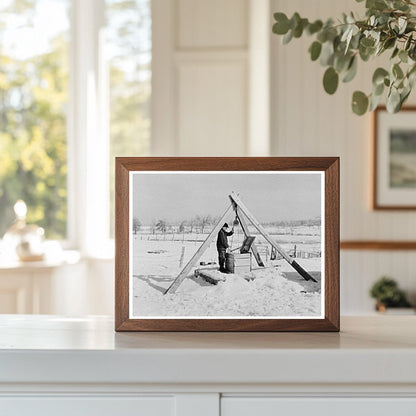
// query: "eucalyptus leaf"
[[389, 43], [314, 27], [366, 53], [315, 50], [412, 52], [402, 22], [281, 27], [397, 71], [412, 70], [408, 42], [411, 78], [376, 4], [379, 75], [288, 37], [350, 73], [330, 80], [378, 89], [322, 36], [294, 20], [298, 30], [393, 101], [395, 52], [341, 62], [400, 5], [359, 103], [367, 42], [403, 56], [374, 102], [327, 54], [404, 96]]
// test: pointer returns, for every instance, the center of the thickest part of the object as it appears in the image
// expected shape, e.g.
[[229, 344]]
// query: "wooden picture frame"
[[394, 184], [130, 196]]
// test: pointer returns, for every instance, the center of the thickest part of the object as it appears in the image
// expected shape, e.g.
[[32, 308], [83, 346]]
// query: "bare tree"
[[136, 225], [162, 226], [192, 224], [181, 228], [203, 221]]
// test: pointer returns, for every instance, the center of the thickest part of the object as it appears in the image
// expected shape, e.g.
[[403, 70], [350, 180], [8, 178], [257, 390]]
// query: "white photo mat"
[[135, 295], [386, 195]]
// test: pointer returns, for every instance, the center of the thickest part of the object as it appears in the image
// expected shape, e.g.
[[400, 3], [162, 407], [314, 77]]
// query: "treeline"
[[202, 224], [197, 224], [295, 223]]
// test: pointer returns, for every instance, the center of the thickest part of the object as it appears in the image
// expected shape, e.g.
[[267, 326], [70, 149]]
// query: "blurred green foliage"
[[386, 291], [33, 97], [33, 108]]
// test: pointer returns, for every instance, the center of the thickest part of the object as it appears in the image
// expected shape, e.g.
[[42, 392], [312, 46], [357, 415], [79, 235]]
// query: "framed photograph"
[[227, 244], [394, 179]]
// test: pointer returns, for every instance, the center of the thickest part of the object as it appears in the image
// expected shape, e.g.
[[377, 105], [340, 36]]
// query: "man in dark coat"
[[222, 245]]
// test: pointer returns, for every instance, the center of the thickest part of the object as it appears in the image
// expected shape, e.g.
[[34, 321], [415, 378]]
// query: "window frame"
[[87, 133]]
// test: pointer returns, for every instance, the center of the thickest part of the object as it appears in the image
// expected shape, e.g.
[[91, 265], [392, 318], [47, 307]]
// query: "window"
[[33, 100], [75, 87], [129, 43]]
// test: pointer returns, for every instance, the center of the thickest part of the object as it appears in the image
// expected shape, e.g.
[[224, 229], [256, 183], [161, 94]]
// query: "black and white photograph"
[[403, 158], [226, 244], [394, 159]]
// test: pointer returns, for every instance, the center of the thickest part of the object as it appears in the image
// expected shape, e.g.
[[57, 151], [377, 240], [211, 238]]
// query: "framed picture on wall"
[[394, 178], [227, 244]]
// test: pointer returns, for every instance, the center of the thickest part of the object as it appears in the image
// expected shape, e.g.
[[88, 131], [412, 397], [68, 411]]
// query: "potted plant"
[[387, 294]]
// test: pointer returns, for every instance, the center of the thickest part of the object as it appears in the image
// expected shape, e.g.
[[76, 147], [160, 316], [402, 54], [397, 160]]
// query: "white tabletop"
[[46, 349]]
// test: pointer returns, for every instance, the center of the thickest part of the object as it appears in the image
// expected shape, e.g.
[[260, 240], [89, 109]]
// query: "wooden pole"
[[244, 226], [236, 199], [191, 263]]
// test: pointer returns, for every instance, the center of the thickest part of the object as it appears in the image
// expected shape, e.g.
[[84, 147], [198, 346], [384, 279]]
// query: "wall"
[[202, 81], [305, 121]]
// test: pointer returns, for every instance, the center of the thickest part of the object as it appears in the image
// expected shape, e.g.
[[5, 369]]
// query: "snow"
[[274, 291]]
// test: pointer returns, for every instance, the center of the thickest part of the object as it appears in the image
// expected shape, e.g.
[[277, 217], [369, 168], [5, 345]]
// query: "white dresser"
[[52, 365]]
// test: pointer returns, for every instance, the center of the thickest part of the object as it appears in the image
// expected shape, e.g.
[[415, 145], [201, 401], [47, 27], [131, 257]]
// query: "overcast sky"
[[270, 197]]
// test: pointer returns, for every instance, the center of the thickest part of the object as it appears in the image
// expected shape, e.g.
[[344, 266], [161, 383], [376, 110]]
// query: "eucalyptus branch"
[[389, 25]]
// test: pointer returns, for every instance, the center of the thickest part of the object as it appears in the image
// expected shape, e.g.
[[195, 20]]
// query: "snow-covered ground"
[[273, 291]]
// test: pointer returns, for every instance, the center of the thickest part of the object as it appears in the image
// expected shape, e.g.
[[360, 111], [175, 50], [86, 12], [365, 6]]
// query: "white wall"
[[202, 80], [308, 122]]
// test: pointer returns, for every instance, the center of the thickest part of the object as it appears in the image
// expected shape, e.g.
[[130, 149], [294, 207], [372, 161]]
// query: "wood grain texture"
[[376, 204], [121, 244], [329, 165], [378, 245], [332, 225]]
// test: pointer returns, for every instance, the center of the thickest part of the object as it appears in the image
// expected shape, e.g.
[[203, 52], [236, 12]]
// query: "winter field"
[[272, 291]]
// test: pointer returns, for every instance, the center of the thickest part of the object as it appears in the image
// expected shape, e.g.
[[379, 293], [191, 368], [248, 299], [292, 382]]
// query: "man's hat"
[[225, 225]]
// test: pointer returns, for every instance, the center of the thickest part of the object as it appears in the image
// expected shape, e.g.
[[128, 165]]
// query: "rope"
[[237, 233]]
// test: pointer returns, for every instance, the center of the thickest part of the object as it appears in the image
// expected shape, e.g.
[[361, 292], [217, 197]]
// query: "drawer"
[[87, 406], [273, 406]]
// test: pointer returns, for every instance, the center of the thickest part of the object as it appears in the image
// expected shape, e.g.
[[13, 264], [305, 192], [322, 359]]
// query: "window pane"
[[33, 100], [129, 46]]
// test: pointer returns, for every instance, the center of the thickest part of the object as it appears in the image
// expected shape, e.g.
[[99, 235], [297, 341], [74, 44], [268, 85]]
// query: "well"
[[238, 263]]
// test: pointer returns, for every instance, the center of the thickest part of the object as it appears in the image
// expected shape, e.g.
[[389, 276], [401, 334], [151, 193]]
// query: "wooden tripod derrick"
[[240, 205], [244, 227], [241, 211], [191, 263]]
